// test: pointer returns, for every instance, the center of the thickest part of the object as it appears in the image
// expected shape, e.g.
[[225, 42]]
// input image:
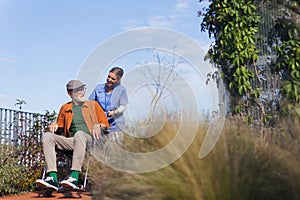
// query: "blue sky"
[[43, 43]]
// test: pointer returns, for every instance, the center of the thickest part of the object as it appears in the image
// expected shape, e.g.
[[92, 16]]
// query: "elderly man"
[[78, 123]]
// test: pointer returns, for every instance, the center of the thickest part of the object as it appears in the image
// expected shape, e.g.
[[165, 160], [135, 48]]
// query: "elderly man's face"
[[78, 94]]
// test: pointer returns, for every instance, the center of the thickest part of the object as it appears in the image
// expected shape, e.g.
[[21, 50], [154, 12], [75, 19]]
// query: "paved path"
[[35, 195]]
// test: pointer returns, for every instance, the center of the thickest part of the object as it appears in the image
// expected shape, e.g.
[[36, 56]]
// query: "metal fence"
[[20, 136], [270, 12], [17, 125]]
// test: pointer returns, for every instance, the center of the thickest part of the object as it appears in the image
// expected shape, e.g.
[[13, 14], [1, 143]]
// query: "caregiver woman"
[[112, 97]]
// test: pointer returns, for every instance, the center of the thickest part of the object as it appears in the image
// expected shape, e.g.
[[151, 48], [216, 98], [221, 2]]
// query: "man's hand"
[[97, 130], [53, 127]]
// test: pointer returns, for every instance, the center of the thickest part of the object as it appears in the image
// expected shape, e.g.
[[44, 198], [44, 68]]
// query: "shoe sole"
[[45, 185], [68, 185]]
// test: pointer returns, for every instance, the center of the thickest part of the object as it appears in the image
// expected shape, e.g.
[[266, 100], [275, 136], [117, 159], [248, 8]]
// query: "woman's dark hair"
[[118, 72]]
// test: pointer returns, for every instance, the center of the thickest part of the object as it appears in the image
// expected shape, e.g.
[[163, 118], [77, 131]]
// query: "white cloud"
[[7, 59], [182, 5], [175, 17], [131, 24], [178, 13], [161, 21]]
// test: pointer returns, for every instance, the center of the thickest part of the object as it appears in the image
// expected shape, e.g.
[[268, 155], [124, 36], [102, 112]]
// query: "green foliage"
[[21, 162], [288, 63], [15, 178], [20, 103], [234, 25]]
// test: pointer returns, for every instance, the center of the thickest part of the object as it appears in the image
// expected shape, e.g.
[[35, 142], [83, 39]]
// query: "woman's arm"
[[121, 109]]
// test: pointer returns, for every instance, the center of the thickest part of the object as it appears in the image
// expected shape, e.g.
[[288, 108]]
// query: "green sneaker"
[[49, 182], [70, 183]]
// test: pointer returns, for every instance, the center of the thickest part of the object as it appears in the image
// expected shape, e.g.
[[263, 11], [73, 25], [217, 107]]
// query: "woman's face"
[[111, 80]]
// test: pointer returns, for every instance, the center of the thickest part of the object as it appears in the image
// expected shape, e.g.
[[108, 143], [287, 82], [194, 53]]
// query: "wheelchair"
[[64, 164]]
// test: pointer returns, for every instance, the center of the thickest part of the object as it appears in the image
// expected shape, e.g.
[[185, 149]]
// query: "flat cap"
[[74, 84]]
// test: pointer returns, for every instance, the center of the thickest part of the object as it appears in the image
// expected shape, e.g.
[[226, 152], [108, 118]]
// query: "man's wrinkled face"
[[78, 94]]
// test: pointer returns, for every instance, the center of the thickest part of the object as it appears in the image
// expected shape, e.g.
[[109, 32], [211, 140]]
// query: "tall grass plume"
[[242, 165]]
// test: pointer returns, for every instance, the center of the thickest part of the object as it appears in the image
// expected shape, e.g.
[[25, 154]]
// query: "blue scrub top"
[[110, 102]]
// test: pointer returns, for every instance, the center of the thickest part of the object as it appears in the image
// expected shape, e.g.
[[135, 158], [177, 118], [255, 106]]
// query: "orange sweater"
[[91, 112]]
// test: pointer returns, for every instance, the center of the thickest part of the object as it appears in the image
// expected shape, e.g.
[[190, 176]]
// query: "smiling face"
[[77, 95], [111, 80]]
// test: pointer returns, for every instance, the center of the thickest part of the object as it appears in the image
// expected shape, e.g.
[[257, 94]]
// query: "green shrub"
[[22, 161], [15, 177]]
